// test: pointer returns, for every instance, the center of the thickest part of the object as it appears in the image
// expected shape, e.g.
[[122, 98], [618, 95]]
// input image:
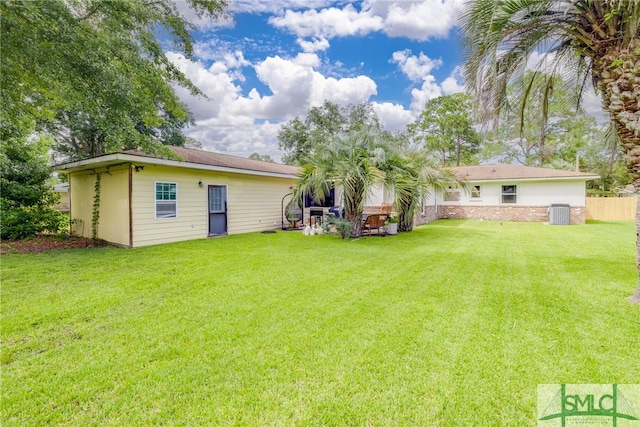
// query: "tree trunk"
[[355, 218], [617, 74], [458, 151], [405, 217], [353, 208]]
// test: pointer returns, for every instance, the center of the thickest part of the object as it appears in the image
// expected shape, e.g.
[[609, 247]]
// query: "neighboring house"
[[145, 200], [63, 191], [510, 193]]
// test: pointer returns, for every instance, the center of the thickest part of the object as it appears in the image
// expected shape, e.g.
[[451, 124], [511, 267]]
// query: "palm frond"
[[501, 36]]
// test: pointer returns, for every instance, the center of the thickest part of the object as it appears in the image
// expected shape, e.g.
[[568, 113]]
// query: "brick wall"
[[430, 214], [489, 213], [506, 213], [495, 213], [578, 215]]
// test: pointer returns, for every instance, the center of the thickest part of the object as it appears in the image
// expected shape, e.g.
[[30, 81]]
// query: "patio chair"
[[385, 208], [374, 222]]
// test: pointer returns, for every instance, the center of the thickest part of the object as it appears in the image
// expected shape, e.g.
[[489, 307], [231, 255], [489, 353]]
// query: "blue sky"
[[275, 59]]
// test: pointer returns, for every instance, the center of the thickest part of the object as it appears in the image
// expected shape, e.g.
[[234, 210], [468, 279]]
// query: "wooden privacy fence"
[[611, 208]]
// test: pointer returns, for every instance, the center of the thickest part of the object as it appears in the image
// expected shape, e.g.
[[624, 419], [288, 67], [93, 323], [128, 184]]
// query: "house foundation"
[[506, 213]]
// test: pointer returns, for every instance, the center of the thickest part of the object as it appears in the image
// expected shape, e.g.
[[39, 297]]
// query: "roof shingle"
[[224, 160], [506, 172]]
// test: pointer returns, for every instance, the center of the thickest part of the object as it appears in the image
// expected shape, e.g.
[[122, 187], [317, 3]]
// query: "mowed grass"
[[453, 324]]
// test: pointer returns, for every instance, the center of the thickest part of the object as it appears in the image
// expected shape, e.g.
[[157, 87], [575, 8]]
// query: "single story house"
[[146, 200], [509, 193]]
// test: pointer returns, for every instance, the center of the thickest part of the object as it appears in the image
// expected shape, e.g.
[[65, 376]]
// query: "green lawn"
[[455, 323]]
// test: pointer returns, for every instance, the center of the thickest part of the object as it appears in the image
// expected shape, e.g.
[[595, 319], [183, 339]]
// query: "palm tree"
[[597, 42], [415, 174], [350, 162]]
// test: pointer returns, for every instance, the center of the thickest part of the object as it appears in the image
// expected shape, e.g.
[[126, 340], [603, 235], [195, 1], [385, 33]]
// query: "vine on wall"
[[95, 218]]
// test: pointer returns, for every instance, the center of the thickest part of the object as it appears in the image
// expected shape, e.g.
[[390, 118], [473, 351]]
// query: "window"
[[509, 194], [475, 192], [216, 199], [452, 195], [166, 200]]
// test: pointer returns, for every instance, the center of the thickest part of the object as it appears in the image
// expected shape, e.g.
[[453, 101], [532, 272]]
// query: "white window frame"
[[155, 200], [514, 194]]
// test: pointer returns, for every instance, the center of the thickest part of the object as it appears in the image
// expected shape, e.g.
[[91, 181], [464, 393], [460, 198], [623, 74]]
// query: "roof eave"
[[552, 178], [122, 157]]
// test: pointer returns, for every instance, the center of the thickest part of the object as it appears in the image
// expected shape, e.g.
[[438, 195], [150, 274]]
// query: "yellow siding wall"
[[113, 225], [253, 203], [114, 207], [81, 190]]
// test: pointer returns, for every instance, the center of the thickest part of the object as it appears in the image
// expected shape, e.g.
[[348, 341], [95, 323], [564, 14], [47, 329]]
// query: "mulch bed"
[[47, 243]]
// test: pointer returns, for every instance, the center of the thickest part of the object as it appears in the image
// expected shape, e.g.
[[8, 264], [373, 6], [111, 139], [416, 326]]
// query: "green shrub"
[[343, 227], [27, 221], [27, 202]]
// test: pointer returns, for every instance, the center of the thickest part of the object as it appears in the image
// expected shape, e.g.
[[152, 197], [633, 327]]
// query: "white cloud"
[[275, 6], [328, 23], [290, 84], [415, 67], [429, 90], [316, 45], [418, 69], [419, 20], [307, 59], [296, 86], [344, 91], [230, 63], [393, 117], [237, 124], [235, 59], [245, 6], [453, 83], [214, 82]]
